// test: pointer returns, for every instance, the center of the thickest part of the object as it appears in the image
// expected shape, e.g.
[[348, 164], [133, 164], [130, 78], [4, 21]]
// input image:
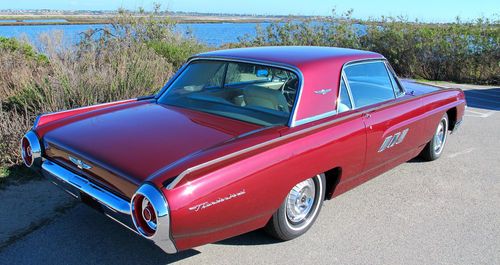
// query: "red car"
[[243, 139]]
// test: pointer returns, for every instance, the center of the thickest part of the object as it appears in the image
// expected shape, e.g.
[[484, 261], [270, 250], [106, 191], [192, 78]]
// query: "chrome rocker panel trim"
[[114, 207]]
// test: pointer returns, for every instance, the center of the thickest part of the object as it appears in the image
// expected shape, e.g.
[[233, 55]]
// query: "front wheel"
[[299, 210], [435, 146]]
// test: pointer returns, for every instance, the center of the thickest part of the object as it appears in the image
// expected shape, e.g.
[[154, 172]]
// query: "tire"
[[295, 215], [435, 146]]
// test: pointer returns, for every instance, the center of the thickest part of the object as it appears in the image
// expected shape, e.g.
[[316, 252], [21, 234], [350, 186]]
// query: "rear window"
[[253, 93]]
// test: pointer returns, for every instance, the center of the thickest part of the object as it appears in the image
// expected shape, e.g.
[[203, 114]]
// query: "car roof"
[[320, 69], [297, 56]]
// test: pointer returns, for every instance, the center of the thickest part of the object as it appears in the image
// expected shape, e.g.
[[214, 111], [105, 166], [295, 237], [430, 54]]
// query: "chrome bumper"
[[107, 199], [109, 204]]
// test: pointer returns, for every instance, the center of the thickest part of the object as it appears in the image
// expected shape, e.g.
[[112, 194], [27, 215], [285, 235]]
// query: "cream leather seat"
[[266, 98]]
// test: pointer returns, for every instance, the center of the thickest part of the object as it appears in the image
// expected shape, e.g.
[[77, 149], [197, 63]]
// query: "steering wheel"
[[289, 90]]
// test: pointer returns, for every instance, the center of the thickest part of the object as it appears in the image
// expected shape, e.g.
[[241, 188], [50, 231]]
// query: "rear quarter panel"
[[265, 177], [436, 104]]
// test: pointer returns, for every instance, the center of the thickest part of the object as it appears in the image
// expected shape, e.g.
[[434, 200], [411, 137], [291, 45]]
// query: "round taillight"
[[31, 151], [144, 215], [151, 216]]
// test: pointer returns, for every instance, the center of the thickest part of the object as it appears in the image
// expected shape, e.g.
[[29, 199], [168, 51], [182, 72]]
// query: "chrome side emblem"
[[79, 163], [323, 91], [393, 140]]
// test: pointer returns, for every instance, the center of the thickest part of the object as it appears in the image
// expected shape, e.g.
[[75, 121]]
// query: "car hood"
[[125, 146]]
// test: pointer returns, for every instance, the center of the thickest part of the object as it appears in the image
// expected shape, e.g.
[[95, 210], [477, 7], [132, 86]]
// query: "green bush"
[[14, 45], [460, 51], [112, 65]]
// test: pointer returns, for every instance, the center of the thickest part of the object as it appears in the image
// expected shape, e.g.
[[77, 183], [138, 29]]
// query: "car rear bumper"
[[104, 201]]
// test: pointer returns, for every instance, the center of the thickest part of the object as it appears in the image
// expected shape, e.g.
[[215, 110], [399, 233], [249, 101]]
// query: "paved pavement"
[[441, 212]]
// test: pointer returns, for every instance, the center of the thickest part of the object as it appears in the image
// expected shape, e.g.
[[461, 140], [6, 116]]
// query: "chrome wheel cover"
[[440, 136], [300, 201]]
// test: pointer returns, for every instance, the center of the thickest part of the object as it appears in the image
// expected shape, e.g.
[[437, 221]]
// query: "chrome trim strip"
[[104, 197], [295, 70], [316, 117], [353, 105], [399, 83], [188, 171], [390, 72]]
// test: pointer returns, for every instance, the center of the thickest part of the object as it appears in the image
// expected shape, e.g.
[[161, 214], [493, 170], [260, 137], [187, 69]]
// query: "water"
[[44, 20], [214, 34]]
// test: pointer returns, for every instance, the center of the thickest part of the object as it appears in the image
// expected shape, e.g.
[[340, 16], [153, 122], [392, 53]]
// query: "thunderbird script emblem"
[[79, 163]]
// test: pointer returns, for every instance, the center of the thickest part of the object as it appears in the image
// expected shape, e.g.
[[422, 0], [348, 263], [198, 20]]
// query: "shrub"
[[105, 66], [460, 51]]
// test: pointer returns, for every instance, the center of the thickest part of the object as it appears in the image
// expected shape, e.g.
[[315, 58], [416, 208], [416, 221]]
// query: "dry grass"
[[99, 69]]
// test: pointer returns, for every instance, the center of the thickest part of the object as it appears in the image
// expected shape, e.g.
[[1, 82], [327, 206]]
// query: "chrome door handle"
[[367, 115]]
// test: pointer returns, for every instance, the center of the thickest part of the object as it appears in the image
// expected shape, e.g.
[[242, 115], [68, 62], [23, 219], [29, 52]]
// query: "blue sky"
[[426, 10]]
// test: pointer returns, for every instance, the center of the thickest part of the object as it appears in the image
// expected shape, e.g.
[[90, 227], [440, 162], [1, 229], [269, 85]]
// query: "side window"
[[343, 102], [369, 83]]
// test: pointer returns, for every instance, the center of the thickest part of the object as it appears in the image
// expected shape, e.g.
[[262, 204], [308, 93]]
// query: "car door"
[[389, 115]]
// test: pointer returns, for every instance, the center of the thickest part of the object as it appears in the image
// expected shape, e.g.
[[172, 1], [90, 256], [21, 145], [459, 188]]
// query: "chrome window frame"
[[293, 113], [342, 78], [398, 84]]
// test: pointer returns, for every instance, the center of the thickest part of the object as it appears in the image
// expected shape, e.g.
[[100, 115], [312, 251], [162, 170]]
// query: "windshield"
[[249, 92]]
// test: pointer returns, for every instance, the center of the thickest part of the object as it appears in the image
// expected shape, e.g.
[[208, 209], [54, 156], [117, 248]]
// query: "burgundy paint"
[[135, 142]]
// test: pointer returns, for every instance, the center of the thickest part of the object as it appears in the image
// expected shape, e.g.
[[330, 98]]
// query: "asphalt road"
[[441, 212]]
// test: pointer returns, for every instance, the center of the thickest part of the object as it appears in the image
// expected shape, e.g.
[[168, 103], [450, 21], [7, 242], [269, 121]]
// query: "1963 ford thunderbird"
[[243, 139]]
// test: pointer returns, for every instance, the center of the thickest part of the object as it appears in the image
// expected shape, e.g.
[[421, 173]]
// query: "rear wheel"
[[299, 210], [435, 146]]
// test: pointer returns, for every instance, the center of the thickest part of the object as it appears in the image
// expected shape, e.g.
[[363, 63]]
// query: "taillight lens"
[[144, 215], [26, 153], [151, 216], [31, 151]]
